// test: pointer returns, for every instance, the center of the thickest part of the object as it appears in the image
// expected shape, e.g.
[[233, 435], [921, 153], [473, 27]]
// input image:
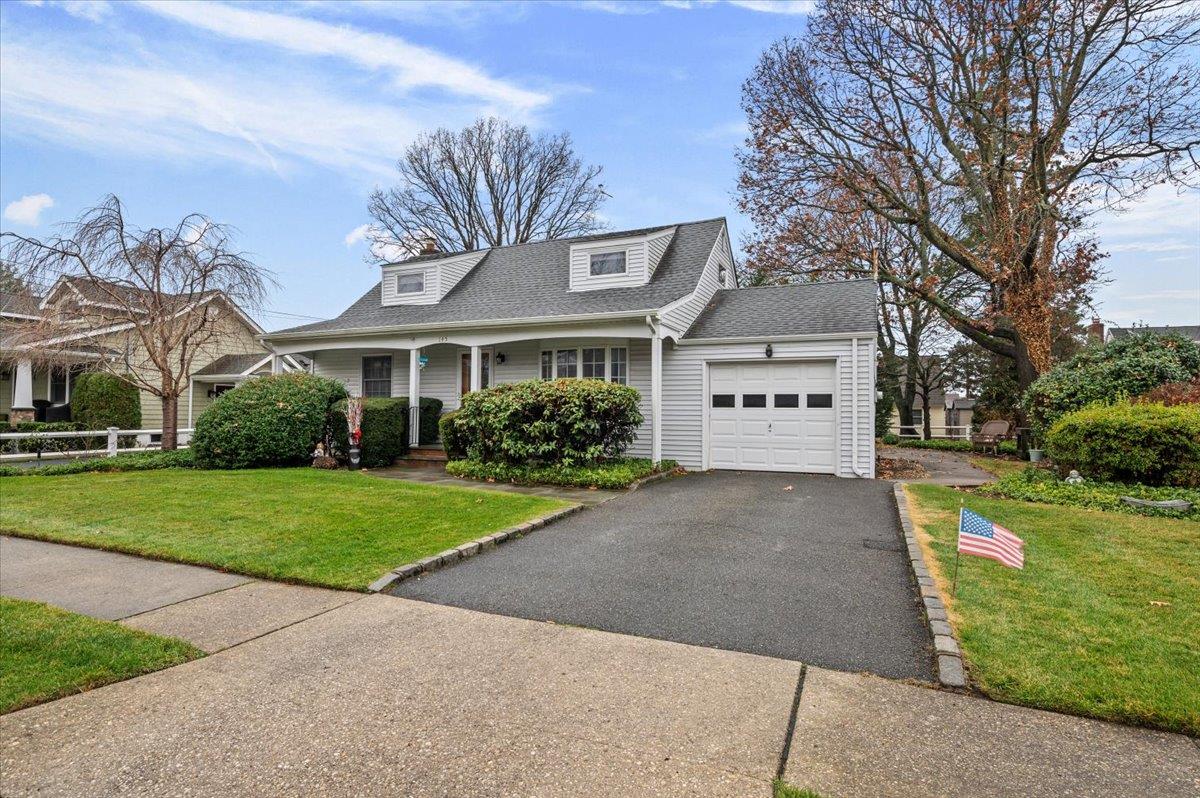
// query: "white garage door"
[[772, 416]]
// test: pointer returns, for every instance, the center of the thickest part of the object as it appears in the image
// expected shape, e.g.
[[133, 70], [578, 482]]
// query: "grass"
[[1102, 621], [331, 528], [1040, 485], [781, 789], [612, 474], [47, 653], [998, 466]]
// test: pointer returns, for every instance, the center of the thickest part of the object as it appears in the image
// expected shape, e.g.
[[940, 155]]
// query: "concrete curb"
[[951, 672], [469, 549]]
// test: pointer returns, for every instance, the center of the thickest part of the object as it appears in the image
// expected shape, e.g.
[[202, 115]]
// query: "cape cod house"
[[778, 378]]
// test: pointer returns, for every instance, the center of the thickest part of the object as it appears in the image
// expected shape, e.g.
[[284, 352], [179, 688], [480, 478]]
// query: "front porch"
[[447, 366]]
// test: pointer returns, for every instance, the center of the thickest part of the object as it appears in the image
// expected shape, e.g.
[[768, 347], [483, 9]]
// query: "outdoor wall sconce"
[[500, 358], [769, 350]]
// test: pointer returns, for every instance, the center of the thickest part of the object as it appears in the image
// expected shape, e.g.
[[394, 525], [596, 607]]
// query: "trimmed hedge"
[[384, 431], [1125, 367], [567, 421], [133, 461], [268, 421], [1147, 443], [454, 437], [952, 445], [890, 438], [431, 413], [1039, 485], [612, 474], [100, 400]]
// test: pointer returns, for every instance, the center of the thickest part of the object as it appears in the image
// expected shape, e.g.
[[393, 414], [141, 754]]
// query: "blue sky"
[[281, 118]]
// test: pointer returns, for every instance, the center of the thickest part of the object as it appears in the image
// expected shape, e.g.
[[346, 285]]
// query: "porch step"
[[429, 456]]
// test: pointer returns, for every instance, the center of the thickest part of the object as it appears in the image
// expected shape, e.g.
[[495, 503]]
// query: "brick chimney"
[[429, 246], [1096, 330]]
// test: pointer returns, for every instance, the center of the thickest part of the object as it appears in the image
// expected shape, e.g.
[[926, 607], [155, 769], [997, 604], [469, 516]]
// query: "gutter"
[[461, 325]]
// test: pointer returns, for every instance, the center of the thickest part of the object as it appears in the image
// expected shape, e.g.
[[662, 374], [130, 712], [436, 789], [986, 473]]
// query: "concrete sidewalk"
[[944, 468], [210, 609], [322, 692]]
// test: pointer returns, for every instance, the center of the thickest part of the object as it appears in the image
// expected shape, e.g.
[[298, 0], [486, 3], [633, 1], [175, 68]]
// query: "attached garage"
[[773, 416], [780, 378]]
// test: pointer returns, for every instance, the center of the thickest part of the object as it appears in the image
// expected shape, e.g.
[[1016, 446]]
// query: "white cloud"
[[198, 112], [28, 209], [91, 10], [410, 66], [776, 6], [357, 234]]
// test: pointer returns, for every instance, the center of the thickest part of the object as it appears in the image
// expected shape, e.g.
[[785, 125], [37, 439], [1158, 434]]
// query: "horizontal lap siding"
[[345, 366], [683, 395]]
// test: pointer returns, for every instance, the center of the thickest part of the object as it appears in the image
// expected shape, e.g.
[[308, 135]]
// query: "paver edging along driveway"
[[801, 567]]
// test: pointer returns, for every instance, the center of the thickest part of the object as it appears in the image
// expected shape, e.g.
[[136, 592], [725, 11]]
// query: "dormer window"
[[607, 263], [410, 283]]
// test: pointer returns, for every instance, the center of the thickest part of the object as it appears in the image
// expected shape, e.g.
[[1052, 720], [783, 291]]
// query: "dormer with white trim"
[[617, 262], [424, 281]]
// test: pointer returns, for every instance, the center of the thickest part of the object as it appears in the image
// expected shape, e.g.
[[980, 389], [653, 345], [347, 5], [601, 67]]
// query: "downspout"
[[854, 410], [191, 395]]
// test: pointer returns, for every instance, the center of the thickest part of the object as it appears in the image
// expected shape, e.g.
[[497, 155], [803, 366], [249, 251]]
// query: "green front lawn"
[[1102, 621], [47, 653], [331, 528], [999, 466]]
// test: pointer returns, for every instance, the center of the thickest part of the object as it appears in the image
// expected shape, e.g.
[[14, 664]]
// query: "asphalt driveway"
[[800, 567]]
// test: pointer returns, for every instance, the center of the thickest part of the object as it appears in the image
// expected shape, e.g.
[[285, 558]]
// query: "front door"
[[485, 371]]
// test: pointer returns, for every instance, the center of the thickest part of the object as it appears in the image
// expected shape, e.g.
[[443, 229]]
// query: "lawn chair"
[[991, 434]]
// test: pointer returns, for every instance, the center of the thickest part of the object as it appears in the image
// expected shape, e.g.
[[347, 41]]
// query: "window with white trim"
[[618, 365], [547, 365], [410, 283], [603, 263], [593, 363], [566, 363], [377, 375]]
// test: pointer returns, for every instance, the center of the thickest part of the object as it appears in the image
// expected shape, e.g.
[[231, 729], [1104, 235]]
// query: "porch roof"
[[531, 281]]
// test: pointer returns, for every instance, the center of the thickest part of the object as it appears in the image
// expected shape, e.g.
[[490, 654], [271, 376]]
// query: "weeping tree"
[[488, 185], [991, 129], [147, 301]]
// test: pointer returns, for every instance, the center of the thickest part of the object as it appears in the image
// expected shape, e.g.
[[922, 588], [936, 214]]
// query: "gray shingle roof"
[[231, 364], [531, 280], [1190, 331], [797, 309]]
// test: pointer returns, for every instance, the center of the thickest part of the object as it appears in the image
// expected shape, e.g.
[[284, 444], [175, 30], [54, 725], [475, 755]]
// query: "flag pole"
[[957, 551]]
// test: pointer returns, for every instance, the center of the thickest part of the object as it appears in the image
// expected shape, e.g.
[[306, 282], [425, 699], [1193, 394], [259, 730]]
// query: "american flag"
[[979, 536]]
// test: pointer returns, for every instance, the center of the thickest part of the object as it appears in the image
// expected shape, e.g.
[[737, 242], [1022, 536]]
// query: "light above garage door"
[[773, 416]]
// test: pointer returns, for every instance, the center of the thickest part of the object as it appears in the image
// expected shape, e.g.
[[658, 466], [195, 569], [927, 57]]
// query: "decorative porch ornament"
[[422, 361], [322, 460], [1074, 478], [354, 411], [769, 351]]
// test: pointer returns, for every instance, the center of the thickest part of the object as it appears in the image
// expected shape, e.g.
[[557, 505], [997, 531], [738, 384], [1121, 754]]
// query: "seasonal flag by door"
[[979, 536]]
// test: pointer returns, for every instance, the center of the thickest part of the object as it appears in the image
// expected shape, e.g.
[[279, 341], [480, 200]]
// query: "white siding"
[[684, 397], [636, 268], [439, 378], [656, 247], [682, 316], [345, 365], [429, 296]]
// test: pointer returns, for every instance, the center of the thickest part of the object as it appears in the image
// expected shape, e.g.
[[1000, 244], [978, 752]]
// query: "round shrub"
[[384, 431], [268, 421], [1146, 443], [567, 421], [100, 400], [1122, 368]]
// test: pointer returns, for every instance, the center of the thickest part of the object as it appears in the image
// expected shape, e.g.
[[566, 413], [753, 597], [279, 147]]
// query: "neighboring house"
[[776, 378], [949, 416], [1189, 331], [30, 390]]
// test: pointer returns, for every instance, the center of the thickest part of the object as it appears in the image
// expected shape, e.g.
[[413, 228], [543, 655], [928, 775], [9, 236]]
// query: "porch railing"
[[112, 438]]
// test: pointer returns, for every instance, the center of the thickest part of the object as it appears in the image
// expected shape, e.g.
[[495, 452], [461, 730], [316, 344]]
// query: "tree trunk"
[[926, 431], [1026, 374], [170, 423]]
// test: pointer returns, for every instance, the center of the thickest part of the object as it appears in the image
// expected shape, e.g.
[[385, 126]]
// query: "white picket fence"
[[935, 431], [111, 436]]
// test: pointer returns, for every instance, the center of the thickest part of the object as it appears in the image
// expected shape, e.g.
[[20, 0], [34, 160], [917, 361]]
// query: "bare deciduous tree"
[[1003, 123], [148, 301], [488, 185]]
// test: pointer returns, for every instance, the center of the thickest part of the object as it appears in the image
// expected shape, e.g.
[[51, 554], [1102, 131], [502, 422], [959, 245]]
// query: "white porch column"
[[23, 387], [276, 364], [476, 368], [414, 397], [656, 396]]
